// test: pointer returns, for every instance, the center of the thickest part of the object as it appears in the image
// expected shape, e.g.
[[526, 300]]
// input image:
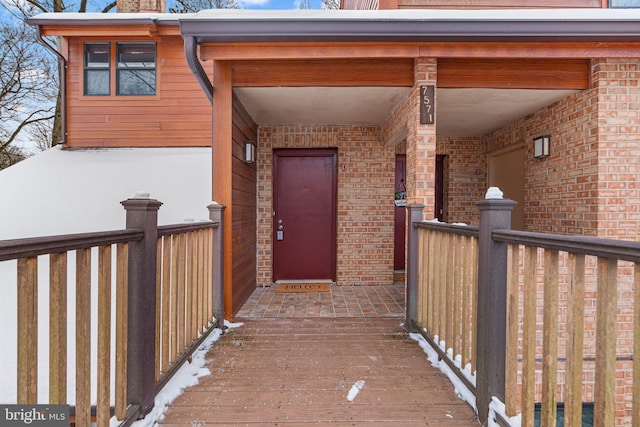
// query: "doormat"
[[303, 287]]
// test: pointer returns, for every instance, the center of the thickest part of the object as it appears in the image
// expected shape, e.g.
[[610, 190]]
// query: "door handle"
[[280, 231]]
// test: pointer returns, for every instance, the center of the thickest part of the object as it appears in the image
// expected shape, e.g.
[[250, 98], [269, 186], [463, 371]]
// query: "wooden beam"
[[585, 50], [324, 72], [239, 51], [514, 73], [222, 161]]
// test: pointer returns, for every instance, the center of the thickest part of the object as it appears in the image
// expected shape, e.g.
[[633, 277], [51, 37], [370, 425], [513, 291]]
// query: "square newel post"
[[411, 306], [495, 213], [142, 215], [216, 212]]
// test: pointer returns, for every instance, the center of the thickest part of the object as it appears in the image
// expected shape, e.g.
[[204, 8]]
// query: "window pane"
[[625, 3], [136, 82], [96, 82], [96, 55], [137, 55]]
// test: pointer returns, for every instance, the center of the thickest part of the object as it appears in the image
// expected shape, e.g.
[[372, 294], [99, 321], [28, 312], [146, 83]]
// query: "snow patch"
[[355, 389], [497, 407], [460, 389], [494, 193], [187, 376]]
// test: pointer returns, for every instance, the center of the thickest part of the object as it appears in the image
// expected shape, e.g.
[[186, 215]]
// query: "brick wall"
[[466, 177], [365, 198], [618, 147]]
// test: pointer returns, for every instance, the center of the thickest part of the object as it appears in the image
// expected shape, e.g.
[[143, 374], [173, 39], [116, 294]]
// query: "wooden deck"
[[296, 372]]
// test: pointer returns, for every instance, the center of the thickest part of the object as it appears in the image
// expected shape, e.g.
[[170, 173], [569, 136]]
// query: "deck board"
[[298, 372]]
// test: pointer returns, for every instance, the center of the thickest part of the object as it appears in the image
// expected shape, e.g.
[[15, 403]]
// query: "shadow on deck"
[[299, 371]]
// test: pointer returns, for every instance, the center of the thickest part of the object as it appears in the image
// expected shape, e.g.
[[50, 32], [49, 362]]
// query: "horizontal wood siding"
[[244, 212], [331, 72], [517, 73], [499, 4], [179, 115]]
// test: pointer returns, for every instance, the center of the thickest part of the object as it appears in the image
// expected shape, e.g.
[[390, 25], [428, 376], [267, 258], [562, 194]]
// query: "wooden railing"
[[556, 317], [586, 290], [168, 320], [447, 292], [184, 307]]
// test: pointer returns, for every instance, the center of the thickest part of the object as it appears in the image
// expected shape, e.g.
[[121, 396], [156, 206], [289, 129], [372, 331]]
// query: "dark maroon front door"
[[304, 214]]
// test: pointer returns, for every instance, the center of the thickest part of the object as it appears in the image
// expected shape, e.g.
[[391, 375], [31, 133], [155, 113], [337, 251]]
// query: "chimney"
[[141, 6]]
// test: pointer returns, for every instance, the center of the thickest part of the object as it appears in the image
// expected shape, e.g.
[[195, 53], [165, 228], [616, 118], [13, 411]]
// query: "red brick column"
[[618, 100], [421, 141]]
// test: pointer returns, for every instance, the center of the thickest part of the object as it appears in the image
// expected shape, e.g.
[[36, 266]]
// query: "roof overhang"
[[412, 25]]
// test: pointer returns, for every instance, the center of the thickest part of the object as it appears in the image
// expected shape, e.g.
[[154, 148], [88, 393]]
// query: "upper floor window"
[[624, 3], [96, 68], [135, 68]]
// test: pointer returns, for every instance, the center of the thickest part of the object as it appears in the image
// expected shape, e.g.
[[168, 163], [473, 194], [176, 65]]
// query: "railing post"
[[411, 307], [142, 214], [216, 212], [491, 322]]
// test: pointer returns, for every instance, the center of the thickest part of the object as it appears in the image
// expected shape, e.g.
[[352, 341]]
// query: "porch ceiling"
[[460, 112]]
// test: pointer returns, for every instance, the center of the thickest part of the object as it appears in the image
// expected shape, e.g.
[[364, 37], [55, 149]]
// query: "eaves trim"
[[283, 30]]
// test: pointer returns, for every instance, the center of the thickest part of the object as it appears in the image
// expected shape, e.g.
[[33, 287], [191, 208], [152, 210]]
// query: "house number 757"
[[427, 105]]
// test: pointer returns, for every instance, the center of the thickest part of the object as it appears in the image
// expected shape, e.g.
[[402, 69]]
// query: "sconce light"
[[249, 152], [541, 146]]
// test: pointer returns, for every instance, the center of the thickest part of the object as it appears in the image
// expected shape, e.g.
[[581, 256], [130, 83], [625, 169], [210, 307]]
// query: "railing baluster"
[[457, 295], [529, 336], [423, 271], [605, 383], [27, 330], [431, 282], [550, 339], [636, 345], [511, 361], [575, 339], [474, 305], [467, 290], [121, 330], [104, 336], [83, 337], [165, 297], [449, 292], [182, 293], [173, 306], [58, 328], [158, 312]]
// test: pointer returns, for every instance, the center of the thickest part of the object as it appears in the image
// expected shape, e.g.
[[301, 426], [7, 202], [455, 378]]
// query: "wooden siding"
[[517, 73], [178, 115], [330, 72], [244, 213]]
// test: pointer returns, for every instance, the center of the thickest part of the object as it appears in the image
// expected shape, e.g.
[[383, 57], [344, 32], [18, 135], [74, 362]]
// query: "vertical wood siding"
[[178, 115], [244, 213]]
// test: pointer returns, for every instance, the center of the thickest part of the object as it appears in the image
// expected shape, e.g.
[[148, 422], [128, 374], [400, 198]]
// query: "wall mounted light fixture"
[[541, 146], [249, 152]]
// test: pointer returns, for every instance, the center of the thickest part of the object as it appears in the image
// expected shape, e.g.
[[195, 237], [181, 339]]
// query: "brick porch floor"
[[340, 301]]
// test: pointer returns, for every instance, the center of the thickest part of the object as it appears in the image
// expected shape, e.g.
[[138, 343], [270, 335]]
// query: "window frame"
[[114, 90], [86, 69], [118, 68]]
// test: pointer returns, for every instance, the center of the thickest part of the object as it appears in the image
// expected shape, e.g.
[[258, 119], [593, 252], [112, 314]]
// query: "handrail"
[[604, 248], [463, 230], [35, 246], [166, 230]]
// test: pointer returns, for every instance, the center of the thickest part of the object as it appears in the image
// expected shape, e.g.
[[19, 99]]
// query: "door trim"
[[305, 152]]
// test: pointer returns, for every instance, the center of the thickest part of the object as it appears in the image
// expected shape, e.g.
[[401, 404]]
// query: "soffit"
[[460, 112]]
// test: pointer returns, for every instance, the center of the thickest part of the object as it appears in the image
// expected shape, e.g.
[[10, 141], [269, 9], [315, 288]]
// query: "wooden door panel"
[[305, 209]]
